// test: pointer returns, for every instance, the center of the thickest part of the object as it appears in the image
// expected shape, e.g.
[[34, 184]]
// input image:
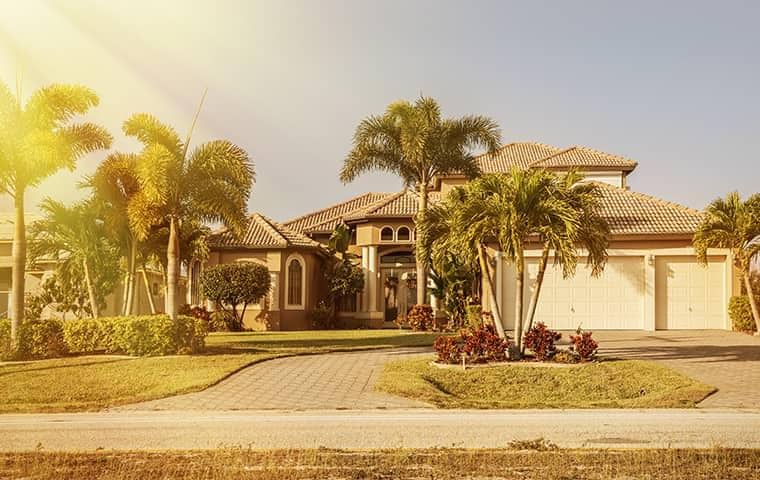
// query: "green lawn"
[[95, 382], [610, 384]]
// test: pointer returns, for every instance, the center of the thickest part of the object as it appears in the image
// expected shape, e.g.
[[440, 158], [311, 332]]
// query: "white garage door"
[[689, 295], [613, 301]]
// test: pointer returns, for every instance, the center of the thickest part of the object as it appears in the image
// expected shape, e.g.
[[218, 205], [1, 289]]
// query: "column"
[[365, 269], [373, 274]]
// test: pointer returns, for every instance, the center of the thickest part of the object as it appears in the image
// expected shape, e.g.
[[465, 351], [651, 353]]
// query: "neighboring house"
[[45, 269], [652, 280]]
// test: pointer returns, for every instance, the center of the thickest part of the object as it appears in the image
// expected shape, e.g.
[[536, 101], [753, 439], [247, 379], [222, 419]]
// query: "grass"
[[440, 464], [95, 382], [610, 384]]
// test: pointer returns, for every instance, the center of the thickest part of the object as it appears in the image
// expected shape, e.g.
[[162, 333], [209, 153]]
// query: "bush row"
[[143, 336]]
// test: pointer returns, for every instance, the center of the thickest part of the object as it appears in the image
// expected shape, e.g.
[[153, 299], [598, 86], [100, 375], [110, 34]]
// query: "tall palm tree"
[[412, 141], [37, 139], [177, 187], [77, 239], [734, 224], [591, 232]]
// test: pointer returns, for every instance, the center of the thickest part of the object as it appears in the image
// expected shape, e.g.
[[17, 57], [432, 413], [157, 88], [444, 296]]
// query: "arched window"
[[386, 234], [403, 234], [295, 280]]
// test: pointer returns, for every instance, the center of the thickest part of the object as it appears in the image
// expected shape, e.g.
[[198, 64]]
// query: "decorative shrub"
[[322, 317], [215, 321], [474, 316], [230, 285], [565, 356], [740, 311], [480, 345], [540, 339], [421, 318], [143, 336], [584, 346]]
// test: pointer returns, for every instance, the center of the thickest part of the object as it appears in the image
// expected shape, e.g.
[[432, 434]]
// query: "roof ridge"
[[560, 152], [269, 224], [325, 209], [652, 198], [509, 144], [383, 201]]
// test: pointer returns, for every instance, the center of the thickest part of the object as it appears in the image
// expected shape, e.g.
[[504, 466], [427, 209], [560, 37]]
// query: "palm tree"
[[211, 183], [37, 139], [412, 141], [77, 239], [734, 224], [114, 185], [591, 232]]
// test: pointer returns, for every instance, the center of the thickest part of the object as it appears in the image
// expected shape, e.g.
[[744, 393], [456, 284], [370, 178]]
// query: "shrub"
[[584, 345], [481, 345], [214, 321], [322, 317], [565, 356], [36, 339], [540, 339], [143, 336], [474, 316], [421, 318], [740, 311], [234, 284]]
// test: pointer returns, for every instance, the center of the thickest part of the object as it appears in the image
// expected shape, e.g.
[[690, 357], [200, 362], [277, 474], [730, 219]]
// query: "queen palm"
[[412, 141], [114, 185], [76, 238], [178, 187], [734, 224], [591, 232], [37, 139]]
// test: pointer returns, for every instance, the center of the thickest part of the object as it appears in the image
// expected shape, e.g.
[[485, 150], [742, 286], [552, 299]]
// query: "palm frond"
[[56, 104], [149, 131]]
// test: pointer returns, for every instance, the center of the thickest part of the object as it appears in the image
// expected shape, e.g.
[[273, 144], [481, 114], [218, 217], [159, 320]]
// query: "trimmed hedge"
[[37, 339], [142, 336]]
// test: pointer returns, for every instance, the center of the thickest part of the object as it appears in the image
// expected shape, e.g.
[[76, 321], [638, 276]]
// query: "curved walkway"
[[331, 381]]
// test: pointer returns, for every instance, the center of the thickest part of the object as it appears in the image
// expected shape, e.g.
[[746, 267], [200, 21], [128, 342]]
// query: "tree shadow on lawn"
[[267, 343], [702, 353]]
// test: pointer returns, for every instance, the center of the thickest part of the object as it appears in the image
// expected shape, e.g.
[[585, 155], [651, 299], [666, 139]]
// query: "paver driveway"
[[327, 381], [729, 361]]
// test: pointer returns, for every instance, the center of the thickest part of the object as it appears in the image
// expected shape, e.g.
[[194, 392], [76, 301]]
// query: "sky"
[[673, 85]]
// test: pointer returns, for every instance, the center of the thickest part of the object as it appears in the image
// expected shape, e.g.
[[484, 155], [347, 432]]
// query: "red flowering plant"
[[479, 345], [540, 339], [584, 346]]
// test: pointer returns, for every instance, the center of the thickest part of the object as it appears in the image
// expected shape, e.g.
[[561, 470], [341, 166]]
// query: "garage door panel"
[[615, 300], [689, 295]]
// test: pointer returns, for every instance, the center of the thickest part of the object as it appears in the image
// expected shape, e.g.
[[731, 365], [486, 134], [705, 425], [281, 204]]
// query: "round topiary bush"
[[740, 312]]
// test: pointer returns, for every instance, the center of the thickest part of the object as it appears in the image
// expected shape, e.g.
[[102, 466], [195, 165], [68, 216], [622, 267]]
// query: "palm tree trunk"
[[491, 291], [132, 279], [90, 290], [125, 293], [752, 300], [172, 274], [537, 292], [18, 281], [422, 263], [519, 287], [148, 291]]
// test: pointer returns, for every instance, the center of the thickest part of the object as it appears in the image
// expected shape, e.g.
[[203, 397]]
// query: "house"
[[652, 280]]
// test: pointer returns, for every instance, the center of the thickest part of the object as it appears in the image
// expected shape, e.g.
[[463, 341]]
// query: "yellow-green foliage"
[[142, 336], [740, 312], [36, 339]]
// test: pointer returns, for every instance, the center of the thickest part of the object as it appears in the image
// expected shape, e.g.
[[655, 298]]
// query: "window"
[[404, 234], [397, 258], [295, 282], [386, 234]]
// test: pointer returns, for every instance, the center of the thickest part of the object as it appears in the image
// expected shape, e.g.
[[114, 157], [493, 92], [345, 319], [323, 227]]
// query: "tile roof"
[[398, 205], [262, 232], [539, 155], [632, 213], [327, 219]]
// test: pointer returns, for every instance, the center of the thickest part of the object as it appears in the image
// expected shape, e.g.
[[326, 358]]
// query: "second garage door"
[[614, 301], [689, 295]]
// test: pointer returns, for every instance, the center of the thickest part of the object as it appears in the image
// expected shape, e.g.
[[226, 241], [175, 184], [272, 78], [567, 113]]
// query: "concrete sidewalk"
[[419, 428]]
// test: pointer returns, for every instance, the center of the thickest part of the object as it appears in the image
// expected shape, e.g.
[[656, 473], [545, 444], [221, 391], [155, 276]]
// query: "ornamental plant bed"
[[526, 362]]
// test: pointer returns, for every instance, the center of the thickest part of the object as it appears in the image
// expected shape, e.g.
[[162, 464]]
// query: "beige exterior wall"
[[447, 184], [369, 233]]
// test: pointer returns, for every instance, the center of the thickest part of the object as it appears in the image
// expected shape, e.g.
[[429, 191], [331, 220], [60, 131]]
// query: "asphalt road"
[[379, 429]]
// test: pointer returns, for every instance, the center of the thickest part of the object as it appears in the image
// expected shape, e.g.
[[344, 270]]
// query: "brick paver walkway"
[[729, 361], [328, 381]]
